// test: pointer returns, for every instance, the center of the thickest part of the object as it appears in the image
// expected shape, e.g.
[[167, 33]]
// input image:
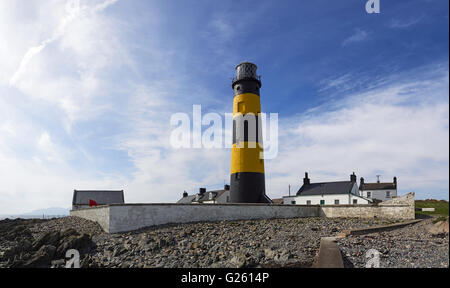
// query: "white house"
[[327, 193], [210, 197], [378, 191]]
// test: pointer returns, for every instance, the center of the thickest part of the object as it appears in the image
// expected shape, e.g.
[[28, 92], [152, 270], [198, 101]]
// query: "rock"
[[69, 232], [238, 261], [269, 253], [282, 257], [42, 258], [438, 228], [50, 238], [60, 263], [222, 244], [80, 243]]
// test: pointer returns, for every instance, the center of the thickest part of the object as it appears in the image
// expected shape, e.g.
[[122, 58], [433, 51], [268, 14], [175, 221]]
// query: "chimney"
[[226, 187], [361, 182], [353, 178], [202, 191], [306, 180], [185, 194], [395, 182]]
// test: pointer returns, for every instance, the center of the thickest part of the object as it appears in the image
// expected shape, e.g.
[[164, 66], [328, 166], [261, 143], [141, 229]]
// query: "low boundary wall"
[[128, 217]]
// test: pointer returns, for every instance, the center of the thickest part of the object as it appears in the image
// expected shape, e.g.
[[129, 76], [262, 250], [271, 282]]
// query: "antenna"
[[289, 189]]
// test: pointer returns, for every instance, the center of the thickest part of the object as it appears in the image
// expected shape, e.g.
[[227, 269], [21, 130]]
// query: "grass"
[[440, 207]]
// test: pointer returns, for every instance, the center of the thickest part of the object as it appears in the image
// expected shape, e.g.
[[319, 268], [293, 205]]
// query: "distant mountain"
[[49, 211]]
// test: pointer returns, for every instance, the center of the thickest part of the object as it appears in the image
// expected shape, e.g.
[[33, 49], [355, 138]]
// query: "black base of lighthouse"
[[248, 187]]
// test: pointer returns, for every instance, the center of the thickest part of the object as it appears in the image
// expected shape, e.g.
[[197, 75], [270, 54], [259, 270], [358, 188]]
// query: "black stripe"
[[248, 187], [246, 86]]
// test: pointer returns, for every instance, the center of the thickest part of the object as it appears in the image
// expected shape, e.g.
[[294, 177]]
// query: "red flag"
[[92, 203]]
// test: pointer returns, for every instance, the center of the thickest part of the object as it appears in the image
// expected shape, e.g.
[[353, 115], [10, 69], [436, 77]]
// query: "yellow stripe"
[[246, 159], [246, 103]]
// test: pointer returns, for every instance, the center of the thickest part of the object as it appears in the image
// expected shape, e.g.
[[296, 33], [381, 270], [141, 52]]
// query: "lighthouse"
[[247, 179]]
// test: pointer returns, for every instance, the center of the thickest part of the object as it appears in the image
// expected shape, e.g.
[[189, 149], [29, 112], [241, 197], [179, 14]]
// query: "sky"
[[87, 93]]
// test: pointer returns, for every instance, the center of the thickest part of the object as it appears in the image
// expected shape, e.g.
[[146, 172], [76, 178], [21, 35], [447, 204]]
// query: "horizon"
[[87, 93]]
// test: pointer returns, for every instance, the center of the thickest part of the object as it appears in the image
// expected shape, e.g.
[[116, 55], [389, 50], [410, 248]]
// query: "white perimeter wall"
[[128, 217]]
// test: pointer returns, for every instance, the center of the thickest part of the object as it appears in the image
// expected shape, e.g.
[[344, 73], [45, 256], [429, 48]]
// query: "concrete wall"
[[100, 214], [128, 217]]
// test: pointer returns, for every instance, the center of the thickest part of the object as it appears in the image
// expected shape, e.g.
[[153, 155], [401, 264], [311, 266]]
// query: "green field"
[[440, 206]]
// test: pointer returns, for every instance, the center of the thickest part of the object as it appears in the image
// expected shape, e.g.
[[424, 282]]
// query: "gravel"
[[409, 247]]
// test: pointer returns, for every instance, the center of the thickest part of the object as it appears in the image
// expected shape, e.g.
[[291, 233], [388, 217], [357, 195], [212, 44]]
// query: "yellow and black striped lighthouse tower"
[[247, 164]]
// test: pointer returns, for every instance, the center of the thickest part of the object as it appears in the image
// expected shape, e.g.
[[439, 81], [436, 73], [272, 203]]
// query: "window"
[[322, 202], [336, 202], [293, 202], [228, 199], [355, 201], [388, 194], [369, 194], [308, 202]]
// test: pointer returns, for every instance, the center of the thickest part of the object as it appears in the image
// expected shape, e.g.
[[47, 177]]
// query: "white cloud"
[[398, 129], [358, 36], [402, 24], [68, 67]]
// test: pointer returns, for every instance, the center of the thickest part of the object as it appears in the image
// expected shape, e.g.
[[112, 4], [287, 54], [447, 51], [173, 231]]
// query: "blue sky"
[[86, 95]]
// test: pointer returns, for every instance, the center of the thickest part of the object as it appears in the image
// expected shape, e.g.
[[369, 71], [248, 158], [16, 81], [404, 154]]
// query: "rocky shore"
[[258, 243]]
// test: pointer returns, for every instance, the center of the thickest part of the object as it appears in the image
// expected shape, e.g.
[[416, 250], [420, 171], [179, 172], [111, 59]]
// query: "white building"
[[210, 197], [378, 191], [327, 193]]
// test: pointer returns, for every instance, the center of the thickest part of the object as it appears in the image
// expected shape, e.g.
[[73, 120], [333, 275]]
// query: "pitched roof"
[[187, 199], [102, 197], [326, 188], [204, 197], [377, 186]]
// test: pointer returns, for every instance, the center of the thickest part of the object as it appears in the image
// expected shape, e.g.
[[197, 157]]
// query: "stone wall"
[[401, 208]]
